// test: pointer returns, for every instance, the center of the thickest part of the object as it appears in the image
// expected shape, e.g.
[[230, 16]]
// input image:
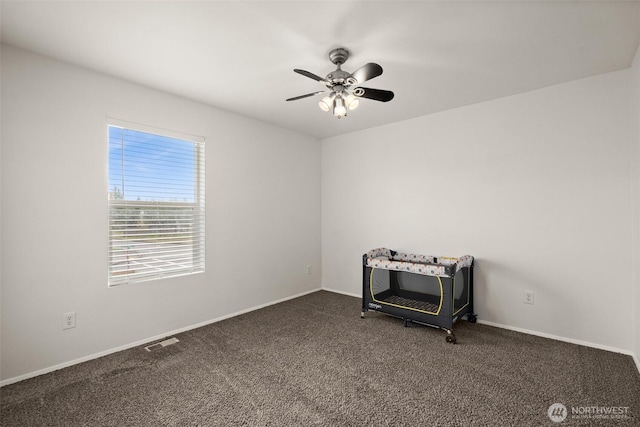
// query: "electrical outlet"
[[69, 320], [308, 269], [528, 297]]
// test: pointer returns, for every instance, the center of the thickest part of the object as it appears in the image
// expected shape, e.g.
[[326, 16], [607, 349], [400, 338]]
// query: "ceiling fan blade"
[[367, 72], [375, 94], [306, 96], [310, 75]]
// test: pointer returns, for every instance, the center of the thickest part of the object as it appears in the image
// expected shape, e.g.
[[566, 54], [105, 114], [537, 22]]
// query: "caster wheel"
[[472, 318], [451, 339], [362, 315]]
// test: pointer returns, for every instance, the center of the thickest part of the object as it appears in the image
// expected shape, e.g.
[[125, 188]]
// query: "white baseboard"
[[559, 338], [145, 341], [531, 332], [238, 313], [335, 291]]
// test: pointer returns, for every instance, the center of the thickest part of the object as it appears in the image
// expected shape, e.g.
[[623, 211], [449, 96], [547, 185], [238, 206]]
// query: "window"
[[156, 203]]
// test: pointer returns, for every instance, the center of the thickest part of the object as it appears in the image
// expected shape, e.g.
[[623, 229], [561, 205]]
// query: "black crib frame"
[[439, 312]]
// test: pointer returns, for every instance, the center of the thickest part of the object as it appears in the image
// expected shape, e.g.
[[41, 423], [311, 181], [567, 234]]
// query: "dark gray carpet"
[[313, 361]]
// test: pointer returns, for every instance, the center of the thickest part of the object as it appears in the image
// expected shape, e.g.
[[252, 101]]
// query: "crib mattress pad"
[[427, 265]]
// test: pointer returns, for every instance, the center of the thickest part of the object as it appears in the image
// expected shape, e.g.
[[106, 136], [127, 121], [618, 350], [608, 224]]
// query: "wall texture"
[[262, 201], [635, 117], [536, 186]]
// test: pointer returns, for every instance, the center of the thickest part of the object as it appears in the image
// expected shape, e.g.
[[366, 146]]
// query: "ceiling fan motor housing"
[[339, 77]]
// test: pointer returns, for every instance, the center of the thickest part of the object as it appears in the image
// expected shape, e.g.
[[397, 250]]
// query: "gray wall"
[[262, 218], [635, 102], [537, 187]]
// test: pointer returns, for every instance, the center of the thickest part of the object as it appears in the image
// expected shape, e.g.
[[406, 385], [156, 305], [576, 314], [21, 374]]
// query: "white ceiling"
[[240, 55]]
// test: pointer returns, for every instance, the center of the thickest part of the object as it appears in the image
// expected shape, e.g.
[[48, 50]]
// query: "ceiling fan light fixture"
[[352, 102], [339, 109], [325, 103]]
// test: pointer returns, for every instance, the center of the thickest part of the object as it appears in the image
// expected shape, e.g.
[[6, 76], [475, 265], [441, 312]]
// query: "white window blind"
[[156, 204]]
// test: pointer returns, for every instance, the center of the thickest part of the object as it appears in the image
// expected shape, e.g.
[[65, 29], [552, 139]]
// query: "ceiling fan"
[[343, 90]]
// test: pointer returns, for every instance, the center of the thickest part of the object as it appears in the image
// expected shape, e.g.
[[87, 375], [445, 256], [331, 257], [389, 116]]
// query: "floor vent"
[[161, 344]]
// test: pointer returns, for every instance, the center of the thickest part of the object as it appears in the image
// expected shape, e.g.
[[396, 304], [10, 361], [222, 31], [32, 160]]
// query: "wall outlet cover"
[[528, 297], [69, 320]]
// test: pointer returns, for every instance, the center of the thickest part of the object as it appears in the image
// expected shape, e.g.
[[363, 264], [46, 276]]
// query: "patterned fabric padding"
[[413, 263], [375, 253]]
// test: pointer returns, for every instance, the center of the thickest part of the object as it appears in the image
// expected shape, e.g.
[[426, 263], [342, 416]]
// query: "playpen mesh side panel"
[[412, 303]]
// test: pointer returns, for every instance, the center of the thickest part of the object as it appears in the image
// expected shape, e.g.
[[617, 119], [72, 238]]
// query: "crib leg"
[[362, 315], [450, 338]]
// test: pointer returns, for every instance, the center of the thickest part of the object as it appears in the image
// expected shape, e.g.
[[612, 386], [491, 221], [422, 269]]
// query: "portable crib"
[[429, 290]]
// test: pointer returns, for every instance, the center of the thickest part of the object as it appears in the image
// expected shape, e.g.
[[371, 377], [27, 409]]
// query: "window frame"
[[197, 234]]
